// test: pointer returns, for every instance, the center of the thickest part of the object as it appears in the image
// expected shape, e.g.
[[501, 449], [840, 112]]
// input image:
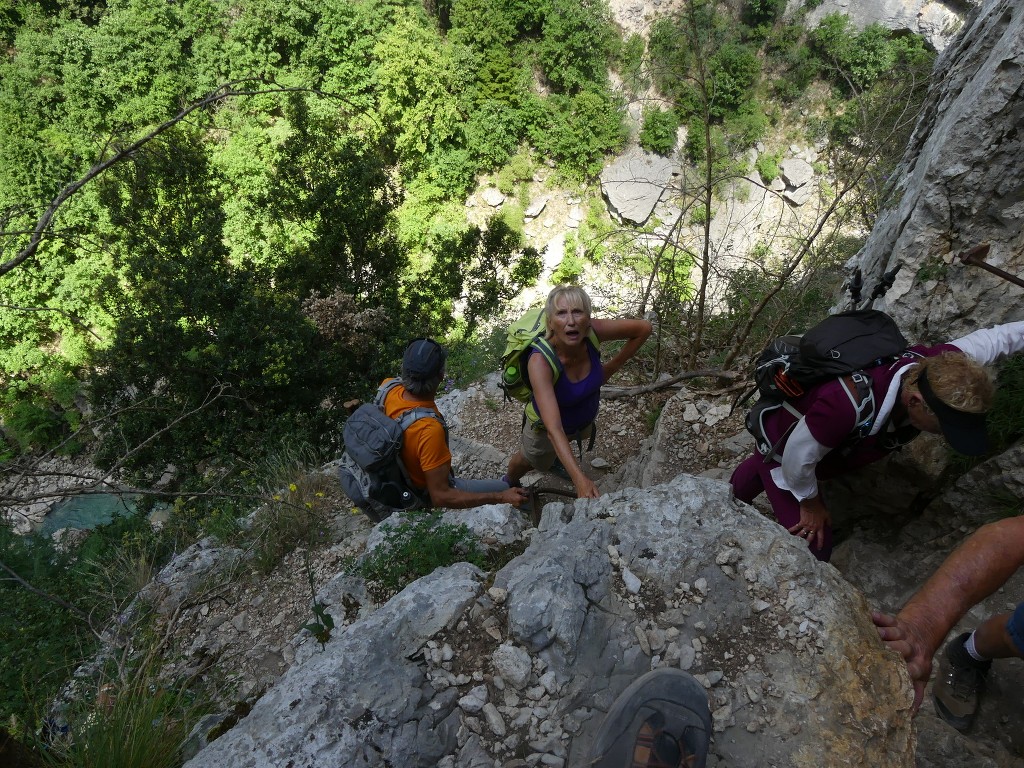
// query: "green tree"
[[575, 44], [419, 80], [483, 269]]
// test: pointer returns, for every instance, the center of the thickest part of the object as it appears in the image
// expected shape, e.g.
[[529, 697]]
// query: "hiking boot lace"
[[964, 682]]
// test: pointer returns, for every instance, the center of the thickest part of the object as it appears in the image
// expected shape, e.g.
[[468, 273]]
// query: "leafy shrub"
[[513, 215], [577, 39], [734, 69], [768, 166], [33, 426], [493, 131], [783, 40], [746, 126], [761, 12], [579, 130], [629, 61], [413, 548], [569, 269], [658, 133], [519, 168], [473, 357], [865, 56]]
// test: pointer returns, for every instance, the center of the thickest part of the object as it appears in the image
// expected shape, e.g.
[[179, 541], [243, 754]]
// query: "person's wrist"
[[921, 630]]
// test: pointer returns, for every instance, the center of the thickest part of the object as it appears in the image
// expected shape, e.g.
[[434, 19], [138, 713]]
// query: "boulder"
[[451, 673], [634, 183]]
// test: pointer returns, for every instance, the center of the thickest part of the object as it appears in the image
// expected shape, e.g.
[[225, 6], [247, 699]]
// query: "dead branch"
[[614, 393]]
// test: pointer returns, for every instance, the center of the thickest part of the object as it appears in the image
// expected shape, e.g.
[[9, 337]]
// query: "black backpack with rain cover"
[[840, 346], [371, 470]]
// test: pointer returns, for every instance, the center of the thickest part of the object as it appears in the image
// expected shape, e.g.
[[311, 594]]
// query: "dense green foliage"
[[658, 132], [221, 286], [857, 60]]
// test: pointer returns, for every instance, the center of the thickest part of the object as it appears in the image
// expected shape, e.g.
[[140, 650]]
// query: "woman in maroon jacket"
[[939, 389]]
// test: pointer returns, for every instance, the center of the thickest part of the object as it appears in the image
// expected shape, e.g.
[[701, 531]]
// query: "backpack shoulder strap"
[[385, 389], [542, 345], [857, 387], [407, 418]]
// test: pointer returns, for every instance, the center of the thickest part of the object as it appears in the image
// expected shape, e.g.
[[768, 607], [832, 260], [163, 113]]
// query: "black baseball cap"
[[965, 431], [423, 358]]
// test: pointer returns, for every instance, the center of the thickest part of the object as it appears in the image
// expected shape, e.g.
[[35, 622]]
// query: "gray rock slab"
[[634, 183]]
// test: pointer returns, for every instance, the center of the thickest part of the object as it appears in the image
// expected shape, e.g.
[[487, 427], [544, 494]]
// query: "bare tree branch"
[[614, 393]]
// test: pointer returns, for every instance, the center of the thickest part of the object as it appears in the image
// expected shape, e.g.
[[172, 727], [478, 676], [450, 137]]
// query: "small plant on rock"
[[298, 510], [412, 548], [322, 624]]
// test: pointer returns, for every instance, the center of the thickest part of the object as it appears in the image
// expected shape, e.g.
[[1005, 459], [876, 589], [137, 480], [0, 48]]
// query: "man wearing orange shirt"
[[425, 443]]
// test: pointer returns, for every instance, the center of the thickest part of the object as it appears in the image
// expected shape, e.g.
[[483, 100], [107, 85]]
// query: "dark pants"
[[753, 477]]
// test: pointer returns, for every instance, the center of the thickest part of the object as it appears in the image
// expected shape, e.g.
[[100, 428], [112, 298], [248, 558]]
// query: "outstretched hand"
[[516, 496], [586, 489], [905, 638], [814, 518]]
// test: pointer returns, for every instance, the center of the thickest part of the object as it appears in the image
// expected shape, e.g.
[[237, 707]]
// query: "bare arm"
[[547, 407], [633, 332], [975, 570], [443, 495]]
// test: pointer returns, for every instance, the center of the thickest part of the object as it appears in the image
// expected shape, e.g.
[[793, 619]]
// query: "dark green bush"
[[629, 60], [762, 12], [734, 70], [658, 133], [576, 43], [859, 59], [768, 166], [579, 130]]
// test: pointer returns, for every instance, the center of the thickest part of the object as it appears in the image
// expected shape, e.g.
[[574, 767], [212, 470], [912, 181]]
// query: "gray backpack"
[[371, 469]]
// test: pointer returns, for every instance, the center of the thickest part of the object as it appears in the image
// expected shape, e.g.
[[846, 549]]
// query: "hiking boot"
[[958, 687], [662, 720]]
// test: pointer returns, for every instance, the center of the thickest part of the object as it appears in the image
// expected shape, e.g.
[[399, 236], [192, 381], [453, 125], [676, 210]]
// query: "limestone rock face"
[[961, 183], [450, 673]]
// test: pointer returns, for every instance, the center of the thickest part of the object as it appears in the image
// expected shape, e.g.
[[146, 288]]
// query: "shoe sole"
[[681, 699]]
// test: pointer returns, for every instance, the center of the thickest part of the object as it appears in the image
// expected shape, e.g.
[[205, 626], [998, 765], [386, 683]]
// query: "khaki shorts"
[[537, 447]]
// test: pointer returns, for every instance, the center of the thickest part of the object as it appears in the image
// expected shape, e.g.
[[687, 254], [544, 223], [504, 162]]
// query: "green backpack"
[[527, 331]]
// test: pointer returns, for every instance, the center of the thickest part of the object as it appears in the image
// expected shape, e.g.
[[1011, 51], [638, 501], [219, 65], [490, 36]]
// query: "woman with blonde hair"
[[567, 387]]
